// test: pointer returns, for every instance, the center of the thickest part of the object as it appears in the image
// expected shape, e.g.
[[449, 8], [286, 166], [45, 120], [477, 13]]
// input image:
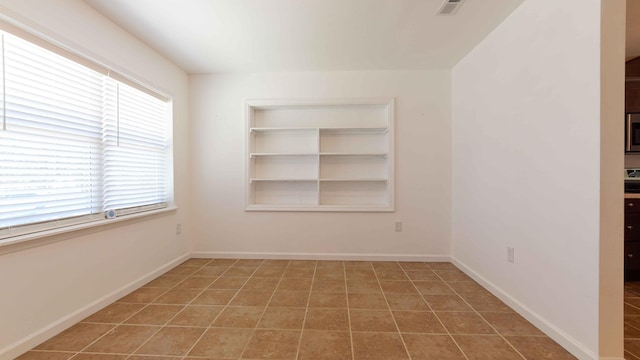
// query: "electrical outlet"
[[398, 226], [510, 255], [178, 229]]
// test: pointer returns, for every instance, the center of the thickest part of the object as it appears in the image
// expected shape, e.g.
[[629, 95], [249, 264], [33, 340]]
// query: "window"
[[74, 143]]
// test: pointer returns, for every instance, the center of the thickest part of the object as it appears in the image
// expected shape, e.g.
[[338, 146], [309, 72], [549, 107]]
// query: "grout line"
[[433, 311], [346, 293], [384, 295], [142, 308], [478, 313], [306, 310]]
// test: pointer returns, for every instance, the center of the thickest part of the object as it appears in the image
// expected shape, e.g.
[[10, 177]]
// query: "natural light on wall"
[[76, 145]]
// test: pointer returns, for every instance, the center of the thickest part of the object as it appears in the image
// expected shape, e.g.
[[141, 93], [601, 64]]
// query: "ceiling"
[[210, 36]]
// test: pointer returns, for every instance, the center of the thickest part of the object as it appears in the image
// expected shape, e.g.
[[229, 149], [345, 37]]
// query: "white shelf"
[[320, 155], [282, 154], [284, 180]]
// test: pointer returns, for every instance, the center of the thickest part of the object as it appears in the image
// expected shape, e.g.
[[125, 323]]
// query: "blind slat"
[[77, 142]]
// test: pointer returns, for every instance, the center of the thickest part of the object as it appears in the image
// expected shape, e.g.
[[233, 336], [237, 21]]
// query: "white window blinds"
[[74, 143]]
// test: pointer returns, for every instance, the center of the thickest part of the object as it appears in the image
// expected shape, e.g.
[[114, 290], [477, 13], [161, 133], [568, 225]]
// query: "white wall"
[[526, 167], [221, 227], [48, 287]]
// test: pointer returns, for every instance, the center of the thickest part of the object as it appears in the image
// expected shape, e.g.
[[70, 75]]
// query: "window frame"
[[91, 220]]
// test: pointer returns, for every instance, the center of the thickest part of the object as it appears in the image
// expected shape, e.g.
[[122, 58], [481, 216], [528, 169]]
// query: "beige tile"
[[629, 356], [359, 274], [328, 300], [115, 313], [211, 271], [452, 275], [124, 339], [222, 262], [385, 265], [182, 271], [467, 323], [261, 284], [632, 320], [249, 262], [327, 319], [330, 264], [273, 344], [239, 317], [446, 303], [467, 287], [143, 295], [153, 357], [174, 341], [486, 302], [269, 272], [195, 283], [282, 318], [325, 345], [539, 347], [251, 298], [154, 315], [214, 297], [432, 347], [240, 271], [372, 320], [46, 355], [378, 346], [391, 275], [511, 324], [165, 281], [178, 296], [329, 274], [406, 302], [433, 288], [418, 322], [413, 265], [76, 337], [442, 266], [217, 343], [196, 316], [397, 287], [367, 301], [295, 284], [309, 264], [328, 285], [359, 286], [487, 347], [196, 262], [298, 273], [276, 264], [284, 298], [362, 265], [422, 275], [231, 283], [90, 356]]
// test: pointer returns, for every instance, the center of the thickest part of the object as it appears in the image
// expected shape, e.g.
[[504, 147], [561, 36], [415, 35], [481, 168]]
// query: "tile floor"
[[278, 309], [632, 320]]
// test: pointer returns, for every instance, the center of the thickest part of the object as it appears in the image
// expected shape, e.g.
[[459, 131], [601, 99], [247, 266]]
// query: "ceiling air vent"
[[449, 7]]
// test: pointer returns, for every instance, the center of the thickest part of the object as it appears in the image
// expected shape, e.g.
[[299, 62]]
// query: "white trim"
[[23, 345], [565, 340], [26, 241], [318, 256]]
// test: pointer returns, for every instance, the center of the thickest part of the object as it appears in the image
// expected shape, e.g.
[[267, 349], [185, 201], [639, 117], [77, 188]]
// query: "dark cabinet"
[[632, 239]]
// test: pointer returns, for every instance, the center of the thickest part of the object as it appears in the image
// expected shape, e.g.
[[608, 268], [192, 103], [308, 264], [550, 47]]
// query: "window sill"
[[21, 242]]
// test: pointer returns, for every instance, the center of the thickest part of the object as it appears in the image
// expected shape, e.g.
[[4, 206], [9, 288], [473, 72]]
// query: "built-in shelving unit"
[[320, 155]]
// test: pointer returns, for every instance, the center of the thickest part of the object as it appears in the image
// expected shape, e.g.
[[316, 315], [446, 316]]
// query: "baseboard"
[[23, 345], [565, 340], [318, 256]]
